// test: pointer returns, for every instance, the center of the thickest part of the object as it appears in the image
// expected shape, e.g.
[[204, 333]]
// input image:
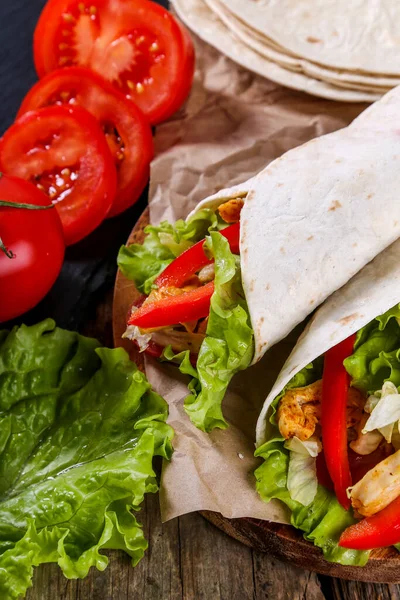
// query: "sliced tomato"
[[137, 46], [126, 129], [62, 150]]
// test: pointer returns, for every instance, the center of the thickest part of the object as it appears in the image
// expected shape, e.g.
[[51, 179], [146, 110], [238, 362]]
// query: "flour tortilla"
[[316, 216], [198, 17], [361, 35], [269, 50], [373, 291]]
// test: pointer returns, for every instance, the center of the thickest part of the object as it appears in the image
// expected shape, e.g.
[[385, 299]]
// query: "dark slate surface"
[[90, 266]]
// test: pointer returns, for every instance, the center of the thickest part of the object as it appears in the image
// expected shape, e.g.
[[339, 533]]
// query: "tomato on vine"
[[31, 246]]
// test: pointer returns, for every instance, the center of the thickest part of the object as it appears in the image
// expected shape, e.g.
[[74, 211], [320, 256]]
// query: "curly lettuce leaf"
[[376, 358], [144, 262], [228, 346], [79, 429]]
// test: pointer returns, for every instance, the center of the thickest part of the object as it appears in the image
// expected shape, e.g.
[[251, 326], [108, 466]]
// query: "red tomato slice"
[[35, 238], [138, 46], [63, 151], [126, 129]]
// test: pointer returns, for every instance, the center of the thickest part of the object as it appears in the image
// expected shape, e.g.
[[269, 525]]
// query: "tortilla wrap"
[[264, 46], [316, 216], [372, 292], [363, 35], [200, 19]]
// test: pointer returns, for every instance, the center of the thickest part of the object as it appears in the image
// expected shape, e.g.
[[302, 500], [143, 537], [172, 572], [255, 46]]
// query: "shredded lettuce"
[[302, 479], [79, 429], [228, 346], [384, 407], [144, 262]]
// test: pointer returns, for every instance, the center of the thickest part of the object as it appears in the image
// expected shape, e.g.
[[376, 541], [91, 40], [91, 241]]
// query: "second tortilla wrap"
[[372, 292], [316, 216]]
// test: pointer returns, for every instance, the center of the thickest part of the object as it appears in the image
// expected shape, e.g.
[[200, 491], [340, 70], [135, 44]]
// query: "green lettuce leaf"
[[324, 519], [376, 358], [228, 346], [144, 262], [79, 429]]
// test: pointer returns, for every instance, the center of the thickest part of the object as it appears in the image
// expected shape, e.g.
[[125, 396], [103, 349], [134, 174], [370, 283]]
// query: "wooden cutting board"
[[282, 541]]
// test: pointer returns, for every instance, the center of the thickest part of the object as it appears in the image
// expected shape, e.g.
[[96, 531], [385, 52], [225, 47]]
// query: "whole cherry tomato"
[[31, 248]]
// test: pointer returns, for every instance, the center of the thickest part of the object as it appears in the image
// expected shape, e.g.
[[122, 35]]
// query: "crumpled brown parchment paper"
[[232, 126]]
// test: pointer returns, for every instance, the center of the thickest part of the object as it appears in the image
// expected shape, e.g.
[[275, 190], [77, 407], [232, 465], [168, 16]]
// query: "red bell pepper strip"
[[189, 306], [378, 531], [335, 385], [153, 349], [194, 259]]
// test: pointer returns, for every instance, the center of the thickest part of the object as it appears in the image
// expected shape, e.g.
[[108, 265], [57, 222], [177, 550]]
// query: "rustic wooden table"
[[188, 558]]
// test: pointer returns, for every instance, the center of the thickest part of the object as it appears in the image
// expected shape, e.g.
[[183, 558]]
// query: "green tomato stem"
[[6, 251], [8, 204], [23, 205]]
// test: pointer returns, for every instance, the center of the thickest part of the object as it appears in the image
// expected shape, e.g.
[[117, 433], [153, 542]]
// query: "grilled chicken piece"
[[230, 211], [299, 410], [168, 291], [365, 443], [378, 488], [207, 274], [179, 340]]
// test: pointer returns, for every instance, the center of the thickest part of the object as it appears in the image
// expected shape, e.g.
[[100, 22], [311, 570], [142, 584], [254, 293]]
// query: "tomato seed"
[[68, 18]]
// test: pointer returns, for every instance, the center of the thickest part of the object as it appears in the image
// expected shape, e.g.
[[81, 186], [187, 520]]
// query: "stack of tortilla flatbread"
[[337, 49]]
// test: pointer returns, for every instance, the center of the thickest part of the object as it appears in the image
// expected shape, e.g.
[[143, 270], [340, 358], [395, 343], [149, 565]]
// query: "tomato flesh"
[[127, 131], [137, 46], [35, 239], [63, 152]]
